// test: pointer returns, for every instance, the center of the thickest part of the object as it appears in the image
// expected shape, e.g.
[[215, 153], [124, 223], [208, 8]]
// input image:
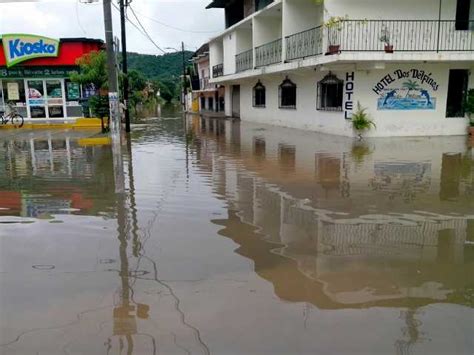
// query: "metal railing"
[[305, 44], [217, 70], [244, 61], [269, 53], [403, 35]]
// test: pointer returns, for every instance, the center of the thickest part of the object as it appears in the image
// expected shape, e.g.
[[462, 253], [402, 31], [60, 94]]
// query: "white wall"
[[301, 15], [389, 123], [230, 51], [203, 65], [266, 29], [216, 52], [387, 9], [244, 39]]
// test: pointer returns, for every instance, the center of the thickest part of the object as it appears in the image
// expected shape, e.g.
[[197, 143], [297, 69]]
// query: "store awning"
[[218, 4]]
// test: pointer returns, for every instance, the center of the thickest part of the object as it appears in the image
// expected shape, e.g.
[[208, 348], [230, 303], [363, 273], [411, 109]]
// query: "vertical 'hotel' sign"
[[349, 95]]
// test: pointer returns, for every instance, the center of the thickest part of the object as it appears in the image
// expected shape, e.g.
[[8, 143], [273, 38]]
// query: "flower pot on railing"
[[388, 48], [334, 49]]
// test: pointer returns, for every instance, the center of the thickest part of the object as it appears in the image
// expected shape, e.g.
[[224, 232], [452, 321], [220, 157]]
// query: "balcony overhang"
[[220, 4]]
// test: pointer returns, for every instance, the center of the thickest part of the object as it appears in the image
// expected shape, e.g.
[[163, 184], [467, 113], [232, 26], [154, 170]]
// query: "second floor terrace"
[[290, 30]]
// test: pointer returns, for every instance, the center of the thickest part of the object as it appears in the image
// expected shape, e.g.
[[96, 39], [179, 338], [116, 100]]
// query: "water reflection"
[[62, 173], [361, 229], [235, 238]]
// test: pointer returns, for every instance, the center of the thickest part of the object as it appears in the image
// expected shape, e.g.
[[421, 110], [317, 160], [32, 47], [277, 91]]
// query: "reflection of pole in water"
[[126, 313], [404, 347]]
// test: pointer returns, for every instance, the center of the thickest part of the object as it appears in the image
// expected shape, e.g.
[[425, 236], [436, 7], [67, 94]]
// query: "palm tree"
[[410, 85]]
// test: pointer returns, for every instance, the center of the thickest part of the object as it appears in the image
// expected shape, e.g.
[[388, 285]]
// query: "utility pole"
[[114, 114], [123, 4], [184, 79]]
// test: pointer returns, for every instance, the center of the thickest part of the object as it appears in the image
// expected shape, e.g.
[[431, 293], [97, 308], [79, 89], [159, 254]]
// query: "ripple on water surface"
[[235, 238]]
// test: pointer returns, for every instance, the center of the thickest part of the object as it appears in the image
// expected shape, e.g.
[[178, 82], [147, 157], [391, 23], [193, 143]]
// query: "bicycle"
[[12, 116]]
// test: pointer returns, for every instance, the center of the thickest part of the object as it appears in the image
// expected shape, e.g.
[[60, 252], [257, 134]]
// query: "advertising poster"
[[13, 91], [73, 91]]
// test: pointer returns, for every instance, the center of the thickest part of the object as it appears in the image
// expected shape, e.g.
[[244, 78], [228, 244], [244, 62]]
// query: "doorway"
[[45, 98], [457, 90], [236, 101]]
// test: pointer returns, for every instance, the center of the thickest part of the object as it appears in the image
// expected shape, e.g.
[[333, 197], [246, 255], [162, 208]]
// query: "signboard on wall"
[[404, 90], [36, 72], [13, 91], [20, 47]]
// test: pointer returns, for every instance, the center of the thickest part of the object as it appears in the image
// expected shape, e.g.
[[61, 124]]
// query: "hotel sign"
[[22, 47]]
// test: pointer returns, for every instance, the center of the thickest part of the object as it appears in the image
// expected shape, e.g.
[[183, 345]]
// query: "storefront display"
[[39, 85]]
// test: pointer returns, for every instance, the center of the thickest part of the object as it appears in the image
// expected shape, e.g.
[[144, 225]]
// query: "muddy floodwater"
[[235, 238]]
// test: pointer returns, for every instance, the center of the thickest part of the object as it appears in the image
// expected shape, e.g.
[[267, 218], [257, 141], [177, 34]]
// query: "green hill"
[[164, 70], [161, 67]]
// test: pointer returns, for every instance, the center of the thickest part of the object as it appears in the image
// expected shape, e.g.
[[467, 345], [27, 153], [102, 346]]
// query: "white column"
[[228, 100]]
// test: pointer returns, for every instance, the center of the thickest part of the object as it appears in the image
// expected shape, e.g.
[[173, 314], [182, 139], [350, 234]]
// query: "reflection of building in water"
[[54, 174], [344, 251]]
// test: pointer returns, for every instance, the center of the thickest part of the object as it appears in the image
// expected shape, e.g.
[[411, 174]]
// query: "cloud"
[[164, 20]]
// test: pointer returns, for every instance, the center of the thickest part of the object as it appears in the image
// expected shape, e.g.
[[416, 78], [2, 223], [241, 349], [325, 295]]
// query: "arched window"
[[330, 91], [287, 93], [259, 93]]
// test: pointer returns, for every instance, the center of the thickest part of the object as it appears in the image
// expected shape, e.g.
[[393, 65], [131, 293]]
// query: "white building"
[[307, 63], [207, 97]]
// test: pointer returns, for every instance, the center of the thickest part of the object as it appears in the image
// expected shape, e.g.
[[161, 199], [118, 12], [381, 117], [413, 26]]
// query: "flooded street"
[[235, 238]]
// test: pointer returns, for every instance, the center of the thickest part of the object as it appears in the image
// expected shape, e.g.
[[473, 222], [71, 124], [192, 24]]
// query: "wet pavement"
[[235, 238]]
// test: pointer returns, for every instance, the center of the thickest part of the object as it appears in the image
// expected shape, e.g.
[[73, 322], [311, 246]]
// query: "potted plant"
[[385, 38], [361, 121], [469, 109], [334, 25]]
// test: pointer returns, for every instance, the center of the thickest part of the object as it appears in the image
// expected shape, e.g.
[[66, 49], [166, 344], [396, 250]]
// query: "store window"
[[287, 91], [259, 93], [36, 99], [54, 92], [330, 93]]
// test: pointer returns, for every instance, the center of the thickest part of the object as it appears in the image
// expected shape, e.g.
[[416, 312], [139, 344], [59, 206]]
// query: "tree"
[[93, 70], [410, 85]]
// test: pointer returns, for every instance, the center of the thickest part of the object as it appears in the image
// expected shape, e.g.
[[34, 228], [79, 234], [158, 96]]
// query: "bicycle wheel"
[[18, 121]]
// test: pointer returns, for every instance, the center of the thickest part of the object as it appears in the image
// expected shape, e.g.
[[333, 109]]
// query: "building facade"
[[307, 64], [206, 97], [34, 76]]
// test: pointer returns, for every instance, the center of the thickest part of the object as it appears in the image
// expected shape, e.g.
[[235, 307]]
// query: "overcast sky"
[[71, 18]]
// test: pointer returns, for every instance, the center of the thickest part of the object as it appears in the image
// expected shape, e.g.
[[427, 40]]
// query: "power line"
[[142, 32], [173, 27], [143, 28]]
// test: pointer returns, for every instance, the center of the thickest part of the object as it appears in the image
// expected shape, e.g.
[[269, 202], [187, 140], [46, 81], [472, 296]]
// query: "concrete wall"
[[244, 39], [389, 122], [387, 9], [203, 65], [216, 52], [230, 51], [266, 29], [300, 15]]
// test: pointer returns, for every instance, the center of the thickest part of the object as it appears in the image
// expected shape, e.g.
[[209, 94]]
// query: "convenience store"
[[34, 76]]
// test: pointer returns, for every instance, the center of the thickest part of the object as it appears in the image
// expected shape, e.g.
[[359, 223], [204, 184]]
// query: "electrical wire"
[[173, 27], [144, 30], [145, 34]]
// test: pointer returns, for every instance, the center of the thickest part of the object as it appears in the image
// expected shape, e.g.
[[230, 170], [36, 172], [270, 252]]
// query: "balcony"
[[305, 44], [269, 53], [217, 70], [403, 35], [244, 61]]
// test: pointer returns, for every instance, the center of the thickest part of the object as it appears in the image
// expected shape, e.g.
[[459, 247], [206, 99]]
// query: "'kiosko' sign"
[[21, 47]]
